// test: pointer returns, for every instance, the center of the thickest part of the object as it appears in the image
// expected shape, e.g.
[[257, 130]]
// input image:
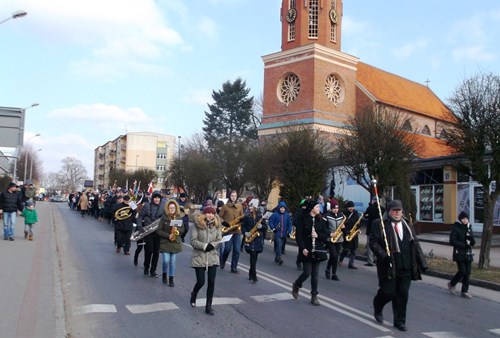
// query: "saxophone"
[[234, 225], [355, 230], [254, 233], [338, 232], [174, 231]]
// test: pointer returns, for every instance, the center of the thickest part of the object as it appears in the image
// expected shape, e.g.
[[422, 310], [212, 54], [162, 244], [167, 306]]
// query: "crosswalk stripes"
[[95, 308], [155, 307]]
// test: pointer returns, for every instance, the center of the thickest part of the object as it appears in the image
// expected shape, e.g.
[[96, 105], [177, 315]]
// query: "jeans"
[[9, 223], [235, 244], [169, 259], [279, 245]]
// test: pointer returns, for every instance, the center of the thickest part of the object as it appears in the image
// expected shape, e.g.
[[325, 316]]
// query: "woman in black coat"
[[462, 239], [311, 236], [253, 240]]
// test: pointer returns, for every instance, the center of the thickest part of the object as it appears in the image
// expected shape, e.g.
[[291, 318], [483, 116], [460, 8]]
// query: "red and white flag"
[[150, 187]]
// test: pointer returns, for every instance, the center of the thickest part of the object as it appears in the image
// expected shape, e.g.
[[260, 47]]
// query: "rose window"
[[333, 89], [289, 88]]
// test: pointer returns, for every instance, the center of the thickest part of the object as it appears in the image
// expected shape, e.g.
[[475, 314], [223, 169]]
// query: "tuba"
[[338, 232], [123, 213], [234, 225], [148, 229], [355, 230]]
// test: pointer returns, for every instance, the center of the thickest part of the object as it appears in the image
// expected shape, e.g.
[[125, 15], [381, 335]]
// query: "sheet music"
[[226, 238], [176, 223]]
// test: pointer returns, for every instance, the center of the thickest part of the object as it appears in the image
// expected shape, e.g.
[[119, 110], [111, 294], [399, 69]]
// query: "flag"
[[134, 188], [138, 187], [126, 185], [150, 187]]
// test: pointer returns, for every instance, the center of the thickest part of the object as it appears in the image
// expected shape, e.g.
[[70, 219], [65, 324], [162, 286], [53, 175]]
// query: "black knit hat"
[[349, 204], [310, 204], [462, 215]]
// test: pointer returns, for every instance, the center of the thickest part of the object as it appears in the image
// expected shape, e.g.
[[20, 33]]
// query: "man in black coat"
[[124, 218], [11, 205], [399, 261], [371, 214]]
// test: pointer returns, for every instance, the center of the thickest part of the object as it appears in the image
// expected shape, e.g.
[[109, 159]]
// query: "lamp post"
[[23, 114], [15, 15], [136, 158], [179, 147], [31, 166], [26, 158]]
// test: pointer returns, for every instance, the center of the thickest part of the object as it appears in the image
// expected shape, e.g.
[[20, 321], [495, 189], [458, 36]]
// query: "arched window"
[[407, 126], [426, 130]]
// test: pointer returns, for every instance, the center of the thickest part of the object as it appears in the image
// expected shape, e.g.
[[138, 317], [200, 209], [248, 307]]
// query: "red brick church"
[[312, 82]]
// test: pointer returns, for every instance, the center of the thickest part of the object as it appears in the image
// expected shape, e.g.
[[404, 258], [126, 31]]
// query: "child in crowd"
[[30, 219]]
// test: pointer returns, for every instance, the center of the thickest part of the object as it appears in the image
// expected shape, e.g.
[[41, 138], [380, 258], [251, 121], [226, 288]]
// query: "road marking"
[[155, 307], [221, 301], [495, 331], [272, 298], [349, 311], [95, 308], [442, 334]]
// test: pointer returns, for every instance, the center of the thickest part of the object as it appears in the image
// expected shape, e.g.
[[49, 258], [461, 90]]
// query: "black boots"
[[171, 281], [295, 291], [192, 300], [208, 308], [164, 278], [327, 274], [314, 299]]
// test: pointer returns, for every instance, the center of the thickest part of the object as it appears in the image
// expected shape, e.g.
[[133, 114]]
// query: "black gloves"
[[226, 224], [209, 247], [388, 260]]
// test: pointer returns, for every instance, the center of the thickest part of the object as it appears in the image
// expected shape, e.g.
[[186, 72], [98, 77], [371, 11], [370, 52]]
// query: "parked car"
[[57, 198]]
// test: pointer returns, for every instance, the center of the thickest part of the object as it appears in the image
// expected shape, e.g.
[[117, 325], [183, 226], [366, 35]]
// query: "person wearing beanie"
[[150, 212], [206, 237], [335, 219], [30, 219], [170, 239], [311, 235], [11, 205], [232, 214], [254, 229], [462, 239], [399, 261], [281, 225], [349, 247]]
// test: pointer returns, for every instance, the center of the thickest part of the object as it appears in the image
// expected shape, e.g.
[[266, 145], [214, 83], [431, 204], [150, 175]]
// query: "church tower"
[[310, 81]]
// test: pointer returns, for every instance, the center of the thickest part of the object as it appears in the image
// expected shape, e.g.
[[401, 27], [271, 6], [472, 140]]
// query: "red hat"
[[209, 210]]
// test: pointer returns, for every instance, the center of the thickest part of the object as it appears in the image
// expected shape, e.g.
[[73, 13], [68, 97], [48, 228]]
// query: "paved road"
[[106, 296]]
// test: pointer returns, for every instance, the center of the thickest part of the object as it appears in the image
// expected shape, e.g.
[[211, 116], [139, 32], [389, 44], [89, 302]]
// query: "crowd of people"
[[223, 230]]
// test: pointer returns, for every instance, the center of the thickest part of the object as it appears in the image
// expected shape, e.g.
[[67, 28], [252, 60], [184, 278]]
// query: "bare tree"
[[262, 168], [476, 135], [377, 145], [72, 174]]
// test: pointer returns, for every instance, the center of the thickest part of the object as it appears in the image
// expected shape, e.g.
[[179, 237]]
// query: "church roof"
[[394, 90], [432, 147]]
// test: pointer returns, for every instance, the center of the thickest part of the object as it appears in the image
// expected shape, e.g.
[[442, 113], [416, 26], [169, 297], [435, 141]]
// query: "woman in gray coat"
[[205, 239]]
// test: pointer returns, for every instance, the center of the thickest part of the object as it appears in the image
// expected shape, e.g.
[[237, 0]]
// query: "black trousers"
[[151, 252], [463, 274], [123, 239], [333, 260], [309, 269], [200, 281], [397, 291], [252, 273]]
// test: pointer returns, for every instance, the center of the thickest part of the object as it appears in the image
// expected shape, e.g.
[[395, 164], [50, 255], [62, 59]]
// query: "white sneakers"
[[451, 289], [466, 295]]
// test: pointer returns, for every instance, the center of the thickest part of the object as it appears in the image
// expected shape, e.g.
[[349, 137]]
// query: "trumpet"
[[174, 231], [355, 230], [234, 225], [338, 232]]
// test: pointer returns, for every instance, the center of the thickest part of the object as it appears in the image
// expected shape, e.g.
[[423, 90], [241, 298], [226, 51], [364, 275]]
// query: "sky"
[[101, 68]]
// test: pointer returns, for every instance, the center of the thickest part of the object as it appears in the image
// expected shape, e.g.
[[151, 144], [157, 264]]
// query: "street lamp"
[[179, 147], [136, 157], [15, 15], [31, 166], [26, 158]]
